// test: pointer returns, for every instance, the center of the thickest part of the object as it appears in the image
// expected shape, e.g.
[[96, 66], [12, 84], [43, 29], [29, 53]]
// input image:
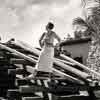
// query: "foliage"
[[93, 20]]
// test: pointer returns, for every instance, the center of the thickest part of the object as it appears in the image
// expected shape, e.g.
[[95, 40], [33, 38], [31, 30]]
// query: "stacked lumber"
[[20, 58]]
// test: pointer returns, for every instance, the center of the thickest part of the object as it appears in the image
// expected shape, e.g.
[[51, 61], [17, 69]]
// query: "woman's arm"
[[57, 37], [59, 40], [41, 40]]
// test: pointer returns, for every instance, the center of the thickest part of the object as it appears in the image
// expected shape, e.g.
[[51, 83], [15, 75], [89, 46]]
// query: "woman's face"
[[47, 28]]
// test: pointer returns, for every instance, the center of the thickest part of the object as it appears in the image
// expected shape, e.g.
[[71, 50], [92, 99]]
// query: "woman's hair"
[[50, 25]]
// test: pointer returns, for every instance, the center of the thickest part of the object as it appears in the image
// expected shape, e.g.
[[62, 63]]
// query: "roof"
[[75, 41]]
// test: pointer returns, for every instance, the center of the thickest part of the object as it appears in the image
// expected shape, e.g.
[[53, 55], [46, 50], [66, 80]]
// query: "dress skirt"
[[45, 63]]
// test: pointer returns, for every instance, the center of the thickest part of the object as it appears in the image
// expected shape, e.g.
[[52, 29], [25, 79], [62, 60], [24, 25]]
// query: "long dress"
[[45, 63]]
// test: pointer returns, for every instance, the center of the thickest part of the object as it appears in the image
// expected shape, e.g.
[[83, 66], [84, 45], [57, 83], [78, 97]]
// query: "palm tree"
[[87, 29], [93, 19], [92, 23], [93, 15]]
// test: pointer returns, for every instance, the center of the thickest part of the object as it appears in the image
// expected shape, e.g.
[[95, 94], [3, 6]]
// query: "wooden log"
[[71, 69], [17, 53], [66, 62], [29, 89], [32, 88], [81, 65], [68, 77], [27, 47], [17, 61], [20, 82], [20, 61], [31, 98], [37, 88], [13, 94], [69, 97]]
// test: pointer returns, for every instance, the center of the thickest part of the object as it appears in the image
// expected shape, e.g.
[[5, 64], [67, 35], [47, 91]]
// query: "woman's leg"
[[32, 76]]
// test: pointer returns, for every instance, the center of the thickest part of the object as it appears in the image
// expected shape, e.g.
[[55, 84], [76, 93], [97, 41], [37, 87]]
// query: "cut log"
[[71, 69], [32, 89], [81, 65], [26, 46], [69, 97], [31, 98], [68, 77], [17, 53], [20, 61]]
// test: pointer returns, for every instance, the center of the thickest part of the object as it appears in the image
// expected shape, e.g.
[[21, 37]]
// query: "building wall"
[[78, 50]]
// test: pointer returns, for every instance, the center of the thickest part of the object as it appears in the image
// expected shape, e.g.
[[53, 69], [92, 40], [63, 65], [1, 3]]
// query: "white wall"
[[78, 50]]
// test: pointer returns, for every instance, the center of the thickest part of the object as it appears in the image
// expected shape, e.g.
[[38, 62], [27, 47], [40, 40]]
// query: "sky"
[[25, 20]]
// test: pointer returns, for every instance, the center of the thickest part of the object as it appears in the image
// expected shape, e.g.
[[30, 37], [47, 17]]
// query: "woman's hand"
[[58, 46]]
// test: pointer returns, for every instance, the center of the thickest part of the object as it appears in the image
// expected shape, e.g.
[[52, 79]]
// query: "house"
[[78, 48]]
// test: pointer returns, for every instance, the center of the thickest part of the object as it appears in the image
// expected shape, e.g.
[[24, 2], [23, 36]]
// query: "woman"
[[46, 57]]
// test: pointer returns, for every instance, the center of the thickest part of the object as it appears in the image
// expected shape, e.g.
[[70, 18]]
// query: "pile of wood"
[[70, 78]]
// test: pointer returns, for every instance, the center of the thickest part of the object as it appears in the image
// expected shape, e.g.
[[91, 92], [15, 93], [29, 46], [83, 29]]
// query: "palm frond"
[[80, 21]]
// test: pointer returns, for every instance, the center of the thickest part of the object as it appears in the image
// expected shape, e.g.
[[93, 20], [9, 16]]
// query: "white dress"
[[45, 63], [46, 59]]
